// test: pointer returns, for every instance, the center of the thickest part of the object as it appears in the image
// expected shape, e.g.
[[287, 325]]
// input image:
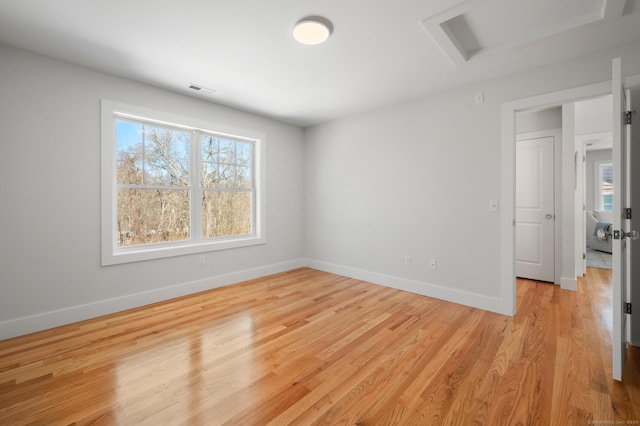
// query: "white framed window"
[[173, 185], [603, 185]]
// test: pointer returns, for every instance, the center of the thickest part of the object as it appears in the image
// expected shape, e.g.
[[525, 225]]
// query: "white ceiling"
[[380, 53]]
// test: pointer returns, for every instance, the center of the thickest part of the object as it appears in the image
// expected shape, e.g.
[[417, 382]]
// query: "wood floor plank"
[[307, 347]]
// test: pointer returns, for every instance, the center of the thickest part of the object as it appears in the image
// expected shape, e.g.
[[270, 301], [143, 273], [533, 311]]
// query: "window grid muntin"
[[151, 123], [189, 195], [144, 186], [201, 189], [235, 163]]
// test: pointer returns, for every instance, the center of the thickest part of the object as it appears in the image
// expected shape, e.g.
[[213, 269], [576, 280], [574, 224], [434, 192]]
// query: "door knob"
[[548, 216], [621, 235]]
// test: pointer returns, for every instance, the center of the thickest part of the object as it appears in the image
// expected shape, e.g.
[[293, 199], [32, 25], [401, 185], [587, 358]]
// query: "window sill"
[[142, 253]]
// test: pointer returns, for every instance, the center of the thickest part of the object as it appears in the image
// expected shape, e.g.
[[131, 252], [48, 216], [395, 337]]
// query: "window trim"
[[111, 254]]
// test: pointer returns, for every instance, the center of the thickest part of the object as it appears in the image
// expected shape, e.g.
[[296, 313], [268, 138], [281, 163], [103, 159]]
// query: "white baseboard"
[[568, 284], [39, 322], [456, 296]]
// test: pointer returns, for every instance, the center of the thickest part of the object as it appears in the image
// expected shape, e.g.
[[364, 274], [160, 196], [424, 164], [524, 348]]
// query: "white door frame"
[[509, 109]]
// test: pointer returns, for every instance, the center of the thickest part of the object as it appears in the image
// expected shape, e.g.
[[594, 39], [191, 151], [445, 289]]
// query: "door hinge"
[[628, 117], [584, 256], [628, 308], [628, 213]]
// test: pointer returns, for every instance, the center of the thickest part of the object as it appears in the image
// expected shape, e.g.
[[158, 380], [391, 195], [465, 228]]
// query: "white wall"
[[50, 269], [597, 120], [413, 179], [534, 121], [416, 179]]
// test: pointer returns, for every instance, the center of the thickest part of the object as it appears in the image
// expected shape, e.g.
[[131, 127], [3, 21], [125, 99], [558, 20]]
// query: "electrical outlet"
[[433, 264], [201, 260], [407, 260]]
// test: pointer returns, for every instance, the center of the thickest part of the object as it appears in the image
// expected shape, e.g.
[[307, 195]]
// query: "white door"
[[622, 234], [535, 213]]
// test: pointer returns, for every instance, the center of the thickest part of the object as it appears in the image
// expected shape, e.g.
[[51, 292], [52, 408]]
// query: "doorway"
[[573, 199], [568, 199], [589, 122], [594, 141]]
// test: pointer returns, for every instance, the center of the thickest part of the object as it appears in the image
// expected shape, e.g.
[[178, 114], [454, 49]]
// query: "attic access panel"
[[476, 27]]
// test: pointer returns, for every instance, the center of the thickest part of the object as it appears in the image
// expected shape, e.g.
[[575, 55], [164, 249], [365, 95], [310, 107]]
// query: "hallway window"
[[604, 188]]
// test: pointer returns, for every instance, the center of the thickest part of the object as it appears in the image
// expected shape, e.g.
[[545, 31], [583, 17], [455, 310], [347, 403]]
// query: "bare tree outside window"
[[153, 184], [154, 187], [226, 187]]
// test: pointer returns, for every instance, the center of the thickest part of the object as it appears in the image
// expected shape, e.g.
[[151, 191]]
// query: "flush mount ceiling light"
[[312, 30]]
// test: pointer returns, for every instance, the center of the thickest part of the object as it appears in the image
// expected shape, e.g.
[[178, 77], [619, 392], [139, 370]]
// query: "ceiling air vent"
[[476, 28], [201, 89]]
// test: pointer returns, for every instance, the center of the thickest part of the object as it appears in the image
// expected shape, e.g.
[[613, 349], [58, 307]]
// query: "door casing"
[[509, 110]]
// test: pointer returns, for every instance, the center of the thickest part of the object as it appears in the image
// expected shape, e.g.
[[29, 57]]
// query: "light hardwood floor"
[[306, 347]]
